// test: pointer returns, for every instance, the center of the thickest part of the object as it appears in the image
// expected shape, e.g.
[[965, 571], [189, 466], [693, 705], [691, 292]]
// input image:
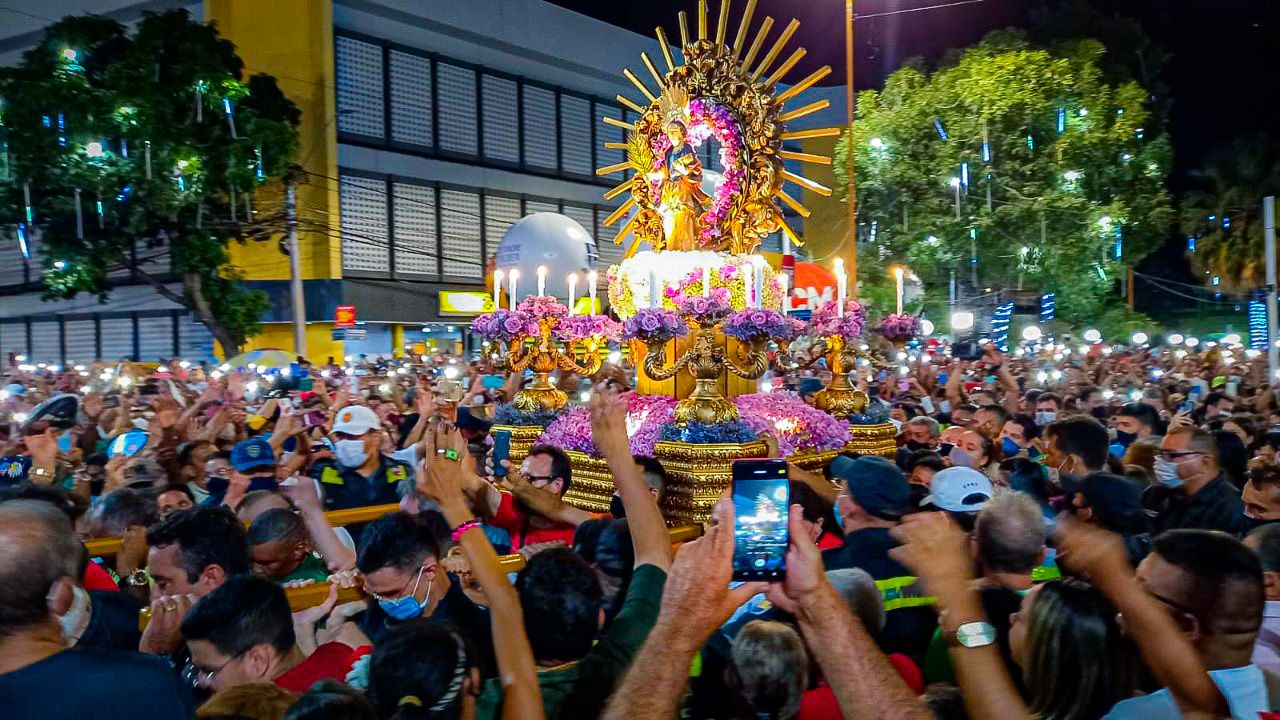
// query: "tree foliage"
[[1223, 214], [1044, 210], [91, 108]]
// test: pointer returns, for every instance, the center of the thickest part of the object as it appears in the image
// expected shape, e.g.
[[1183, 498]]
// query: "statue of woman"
[[682, 201]]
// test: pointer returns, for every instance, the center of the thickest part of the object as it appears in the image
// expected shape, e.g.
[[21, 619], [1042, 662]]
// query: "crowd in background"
[[1063, 533]]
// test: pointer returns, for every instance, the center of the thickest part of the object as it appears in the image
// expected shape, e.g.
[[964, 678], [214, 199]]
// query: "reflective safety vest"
[[903, 592]]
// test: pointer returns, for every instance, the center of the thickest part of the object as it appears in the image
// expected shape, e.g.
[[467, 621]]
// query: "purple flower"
[[650, 323], [654, 325], [899, 328], [754, 324], [513, 325], [798, 426]]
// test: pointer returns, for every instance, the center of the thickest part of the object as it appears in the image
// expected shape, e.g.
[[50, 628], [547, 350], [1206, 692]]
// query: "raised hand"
[[937, 550], [609, 421], [804, 567]]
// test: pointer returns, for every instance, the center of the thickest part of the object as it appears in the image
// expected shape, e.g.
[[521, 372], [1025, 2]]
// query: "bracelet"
[[458, 531]]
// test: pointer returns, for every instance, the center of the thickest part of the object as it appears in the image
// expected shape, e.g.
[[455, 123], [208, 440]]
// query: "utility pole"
[[1269, 228], [295, 270], [851, 241]]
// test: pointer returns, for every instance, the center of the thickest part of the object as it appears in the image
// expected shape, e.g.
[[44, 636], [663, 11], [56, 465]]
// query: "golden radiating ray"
[[785, 67], [807, 109], [618, 189], [742, 28], [653, 71], [666, 49], [684, 29], [722, 22], [804, 157], [639, 85], [804, 84], [791, 234], [616, 146], [611, 169], [778, 44], [811, 133], [806, 183], [618, 123], [626, 228], [625, 101], [633, 247], [702, 19], [765, 27], [792, 203], [623, 209]]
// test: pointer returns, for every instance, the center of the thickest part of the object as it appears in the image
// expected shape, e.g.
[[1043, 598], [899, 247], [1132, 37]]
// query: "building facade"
[[428, 129]]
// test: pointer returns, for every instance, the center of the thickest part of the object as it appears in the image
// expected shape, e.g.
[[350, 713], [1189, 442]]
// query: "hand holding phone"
[[501, 452], [761, 502]]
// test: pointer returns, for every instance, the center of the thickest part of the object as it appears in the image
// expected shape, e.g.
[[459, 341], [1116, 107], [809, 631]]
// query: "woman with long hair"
[[1068, 624], [423, 669]]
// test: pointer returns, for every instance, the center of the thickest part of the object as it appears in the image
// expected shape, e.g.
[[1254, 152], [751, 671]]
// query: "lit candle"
[[497, 287], [706, 281], [591, 289], [511, 286], [841, 286], [897, 276], [757, 271], [653, 290], [573, 285], [782, 286], [786, 245], [542, 279]]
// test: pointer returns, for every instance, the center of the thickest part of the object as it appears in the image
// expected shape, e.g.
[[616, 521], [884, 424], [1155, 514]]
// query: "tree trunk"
[[193, 285]]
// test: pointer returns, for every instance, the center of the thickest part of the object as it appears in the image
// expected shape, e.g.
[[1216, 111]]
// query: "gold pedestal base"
[[592, 485], [699, 475], [539, 395]]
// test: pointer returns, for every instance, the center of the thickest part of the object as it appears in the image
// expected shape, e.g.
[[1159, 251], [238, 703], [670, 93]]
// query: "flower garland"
[[542, 306], [748, 325], [704, 311], [582, 327], [655, 326], [646, 415], [798, 426], [899, 328], [826, 322], [504, 325], [706, 115]]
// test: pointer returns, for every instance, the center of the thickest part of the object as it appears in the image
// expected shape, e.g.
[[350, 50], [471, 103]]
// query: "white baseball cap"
[[355, 420], [959, 489]]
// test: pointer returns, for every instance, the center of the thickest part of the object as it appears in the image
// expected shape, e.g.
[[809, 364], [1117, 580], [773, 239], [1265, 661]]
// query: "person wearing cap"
[[363, 475], [253, 467], [960, 492], [873, 496]]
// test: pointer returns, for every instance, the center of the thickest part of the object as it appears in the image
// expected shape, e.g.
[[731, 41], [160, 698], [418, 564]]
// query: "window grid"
[[414, 229], [359, 92], [411, 99], [460, 227], [363, 204], [457, 109]]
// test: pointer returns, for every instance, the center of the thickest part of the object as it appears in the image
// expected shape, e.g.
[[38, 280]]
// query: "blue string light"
[[1217, 280], [1062, 120], [1258, 326], [1000, 320], [942, 131], [1119, 233], [124, 193], [258, 163], [1191, 244], [986, 152], [964, 174], [1226, 223], [22, 241], [1031, 142], [1048, 306], [46, 120], [62, 129]]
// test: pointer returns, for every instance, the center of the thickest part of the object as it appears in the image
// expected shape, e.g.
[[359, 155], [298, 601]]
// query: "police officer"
[[363, 476]]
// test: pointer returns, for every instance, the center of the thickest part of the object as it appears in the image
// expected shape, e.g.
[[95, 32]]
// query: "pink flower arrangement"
[[755, 324], [705, 311], [646, 414], [542, 306], [798, 426], [826, 322], [581, 327], [654, 325], [504, 325], [899, 328], [706, 113]]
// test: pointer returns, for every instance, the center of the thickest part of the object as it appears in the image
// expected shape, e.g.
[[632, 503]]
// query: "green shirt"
[[312, 568], [581, 689]]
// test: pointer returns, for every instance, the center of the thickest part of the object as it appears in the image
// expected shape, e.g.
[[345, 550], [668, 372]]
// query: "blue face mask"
[[1009, 447], [835, 510], [407, 607]]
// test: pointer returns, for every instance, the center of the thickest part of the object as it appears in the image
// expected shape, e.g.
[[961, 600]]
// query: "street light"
[[1092, 335], [961, 320], [1175, 339], [926, 327], [1140, 338], [1032, 333]]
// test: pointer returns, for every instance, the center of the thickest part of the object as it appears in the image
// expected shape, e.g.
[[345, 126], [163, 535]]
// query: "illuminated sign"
[[453, 302]]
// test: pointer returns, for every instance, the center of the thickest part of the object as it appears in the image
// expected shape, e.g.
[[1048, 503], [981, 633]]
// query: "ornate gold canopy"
[[728, 76]]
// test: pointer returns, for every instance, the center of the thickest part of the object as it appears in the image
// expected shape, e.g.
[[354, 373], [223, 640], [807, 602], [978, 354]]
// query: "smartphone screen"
[[761, 497], [493, 382], [501, 451]]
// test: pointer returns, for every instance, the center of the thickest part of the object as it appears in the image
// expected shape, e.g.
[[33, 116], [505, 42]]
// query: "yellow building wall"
[[292, 40]]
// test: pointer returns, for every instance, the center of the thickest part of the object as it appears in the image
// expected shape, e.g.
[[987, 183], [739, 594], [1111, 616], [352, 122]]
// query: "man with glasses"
[[39, 676], [533, 511], [1191, 491], [1212, 586]]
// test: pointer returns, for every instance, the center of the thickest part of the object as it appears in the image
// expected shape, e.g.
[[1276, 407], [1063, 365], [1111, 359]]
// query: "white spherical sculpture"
[[551, 240]]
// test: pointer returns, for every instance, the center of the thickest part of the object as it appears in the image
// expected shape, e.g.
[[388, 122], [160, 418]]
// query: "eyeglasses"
[[1173, 455], [203, 678], [538, 480], [402, 593]]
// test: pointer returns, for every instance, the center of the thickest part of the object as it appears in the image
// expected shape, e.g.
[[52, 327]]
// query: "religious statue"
[[681, 199]]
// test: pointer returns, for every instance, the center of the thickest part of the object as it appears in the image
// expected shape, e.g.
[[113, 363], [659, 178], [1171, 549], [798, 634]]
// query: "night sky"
[[1220, 74]]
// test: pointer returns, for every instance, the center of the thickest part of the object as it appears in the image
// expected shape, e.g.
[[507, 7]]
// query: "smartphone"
[[761, 498], [502, 451], [1186, 406], [493, 382]]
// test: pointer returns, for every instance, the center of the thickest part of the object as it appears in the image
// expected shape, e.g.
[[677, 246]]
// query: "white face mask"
[[1166, 472], [76, 619], [350, 453], [1044, 417]]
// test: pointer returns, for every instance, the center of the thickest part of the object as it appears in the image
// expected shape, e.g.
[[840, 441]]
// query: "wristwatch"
[[973, 635]]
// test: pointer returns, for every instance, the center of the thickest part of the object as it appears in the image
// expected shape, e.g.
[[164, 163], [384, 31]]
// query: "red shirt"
[[820, 703], [330, 661], [830, 540], [515, 521], [96, 577]]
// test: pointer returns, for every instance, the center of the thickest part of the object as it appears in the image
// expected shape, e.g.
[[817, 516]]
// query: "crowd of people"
[[1061, 535]]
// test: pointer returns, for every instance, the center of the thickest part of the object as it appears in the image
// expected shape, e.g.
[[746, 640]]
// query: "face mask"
[[960, 458], [616, 508], [945, 407], [1009, 447], [1044, 418], [1125, 439], [913, 446], [835, 510], [76, 620], [1099, 412], [217, 485], [407, 607], [1166, 472], [351, 453]]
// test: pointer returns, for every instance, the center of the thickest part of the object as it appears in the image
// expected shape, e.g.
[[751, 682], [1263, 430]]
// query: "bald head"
[[37, 548]]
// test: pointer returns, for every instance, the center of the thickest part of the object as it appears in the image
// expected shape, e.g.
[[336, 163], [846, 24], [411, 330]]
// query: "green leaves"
[[1048, 194]]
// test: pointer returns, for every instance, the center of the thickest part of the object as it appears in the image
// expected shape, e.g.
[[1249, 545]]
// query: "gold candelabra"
[[707, 360], [840, 398], [543, 356]]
